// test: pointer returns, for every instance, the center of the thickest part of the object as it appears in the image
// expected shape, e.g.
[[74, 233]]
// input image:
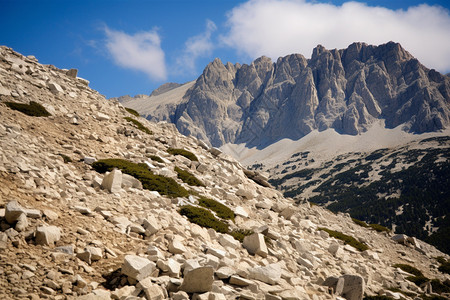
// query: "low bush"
[[188, 178], [445, 265], [418, 280], [164, 185], [348, 240], [221, 210], [360, 223], [66, 158], [32, 109], [409, 269], [203, 217], [240, 234], [439, 287], [156, 158], [138, 125], [132, 111], [182, 152], [379, 228]]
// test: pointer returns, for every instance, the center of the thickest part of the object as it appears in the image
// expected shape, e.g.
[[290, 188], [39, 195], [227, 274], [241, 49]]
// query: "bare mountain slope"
[[174, 220]]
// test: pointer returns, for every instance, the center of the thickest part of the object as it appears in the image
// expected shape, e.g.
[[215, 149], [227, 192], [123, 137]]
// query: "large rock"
[[137, 267], [353, 288], [47, 235], [270, 274], [198, 280], [255, 244], [13, 210], [113, 181]]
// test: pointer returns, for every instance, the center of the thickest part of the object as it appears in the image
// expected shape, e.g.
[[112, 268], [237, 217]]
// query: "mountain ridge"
[[346, 90]]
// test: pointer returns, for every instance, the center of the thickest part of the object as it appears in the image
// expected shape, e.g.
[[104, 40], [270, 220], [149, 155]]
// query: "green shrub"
[[348, 240], [203, 217], [183, 152], [439, 287], [156, 158], [150, 181], [33, 109], [445, 265], [360, 223], [417, 280], [132, 111], [188, 178], [240, 234], [66, 158], [220, 209], [379, 228], [409, 269], [138, 125]]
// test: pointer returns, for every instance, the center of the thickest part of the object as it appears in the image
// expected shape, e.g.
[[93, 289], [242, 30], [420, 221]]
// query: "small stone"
[[176, 246], [47, 235], [13, 210], [239, 281], [72, 73], [113, 181], [137, 267], [255, 244], [198, 280]]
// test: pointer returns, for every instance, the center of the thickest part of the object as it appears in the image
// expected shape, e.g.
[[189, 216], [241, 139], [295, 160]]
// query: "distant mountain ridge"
[[347, 90]]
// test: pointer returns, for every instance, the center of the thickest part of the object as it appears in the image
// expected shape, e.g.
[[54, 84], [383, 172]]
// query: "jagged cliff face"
[[347, 90]]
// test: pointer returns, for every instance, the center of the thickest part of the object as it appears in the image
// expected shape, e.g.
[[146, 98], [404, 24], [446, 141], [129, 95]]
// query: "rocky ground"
[[69, 232]]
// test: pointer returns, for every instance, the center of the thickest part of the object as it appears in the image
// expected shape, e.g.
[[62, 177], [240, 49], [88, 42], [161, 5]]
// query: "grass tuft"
[[348, 240], [32, 109], [132, 111], [203, 217], [138, 125], [183, 152], [240, 234], [220, 209], [156, 158], [188, 178], [164, 185]]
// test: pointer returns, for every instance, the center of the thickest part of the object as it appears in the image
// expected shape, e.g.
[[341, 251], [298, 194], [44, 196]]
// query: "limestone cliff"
[[346, 90]]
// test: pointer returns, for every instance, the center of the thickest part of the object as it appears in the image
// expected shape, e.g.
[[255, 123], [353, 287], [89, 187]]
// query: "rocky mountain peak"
[[346, 90]]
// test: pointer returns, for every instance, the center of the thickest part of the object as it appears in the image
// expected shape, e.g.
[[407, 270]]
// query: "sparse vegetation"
[[32, 109], [203, 217], [445, 265], [182, 152], [156, 158], [188, 178], [379, 228], [240, 234], [138, 125], [348, 240], [132, 111], [164, 185], [409, 269], [66, 158], [360, 223], [220, 209]]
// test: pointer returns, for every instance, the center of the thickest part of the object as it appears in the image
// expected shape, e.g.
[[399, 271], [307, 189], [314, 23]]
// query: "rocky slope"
[[347, 90], [68, 231]]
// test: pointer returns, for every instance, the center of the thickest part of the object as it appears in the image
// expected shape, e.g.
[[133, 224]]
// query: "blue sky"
[[132, 47]]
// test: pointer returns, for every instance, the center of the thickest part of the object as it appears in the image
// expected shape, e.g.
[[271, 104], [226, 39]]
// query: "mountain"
[[98, 203], [346, 90]]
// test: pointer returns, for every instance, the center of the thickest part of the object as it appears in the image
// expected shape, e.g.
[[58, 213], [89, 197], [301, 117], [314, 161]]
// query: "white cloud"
[[141, 51], [197, 46], [279, 27]]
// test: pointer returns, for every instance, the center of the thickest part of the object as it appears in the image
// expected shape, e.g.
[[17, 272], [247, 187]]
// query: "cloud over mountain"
[[279, 27], [141, 51]]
